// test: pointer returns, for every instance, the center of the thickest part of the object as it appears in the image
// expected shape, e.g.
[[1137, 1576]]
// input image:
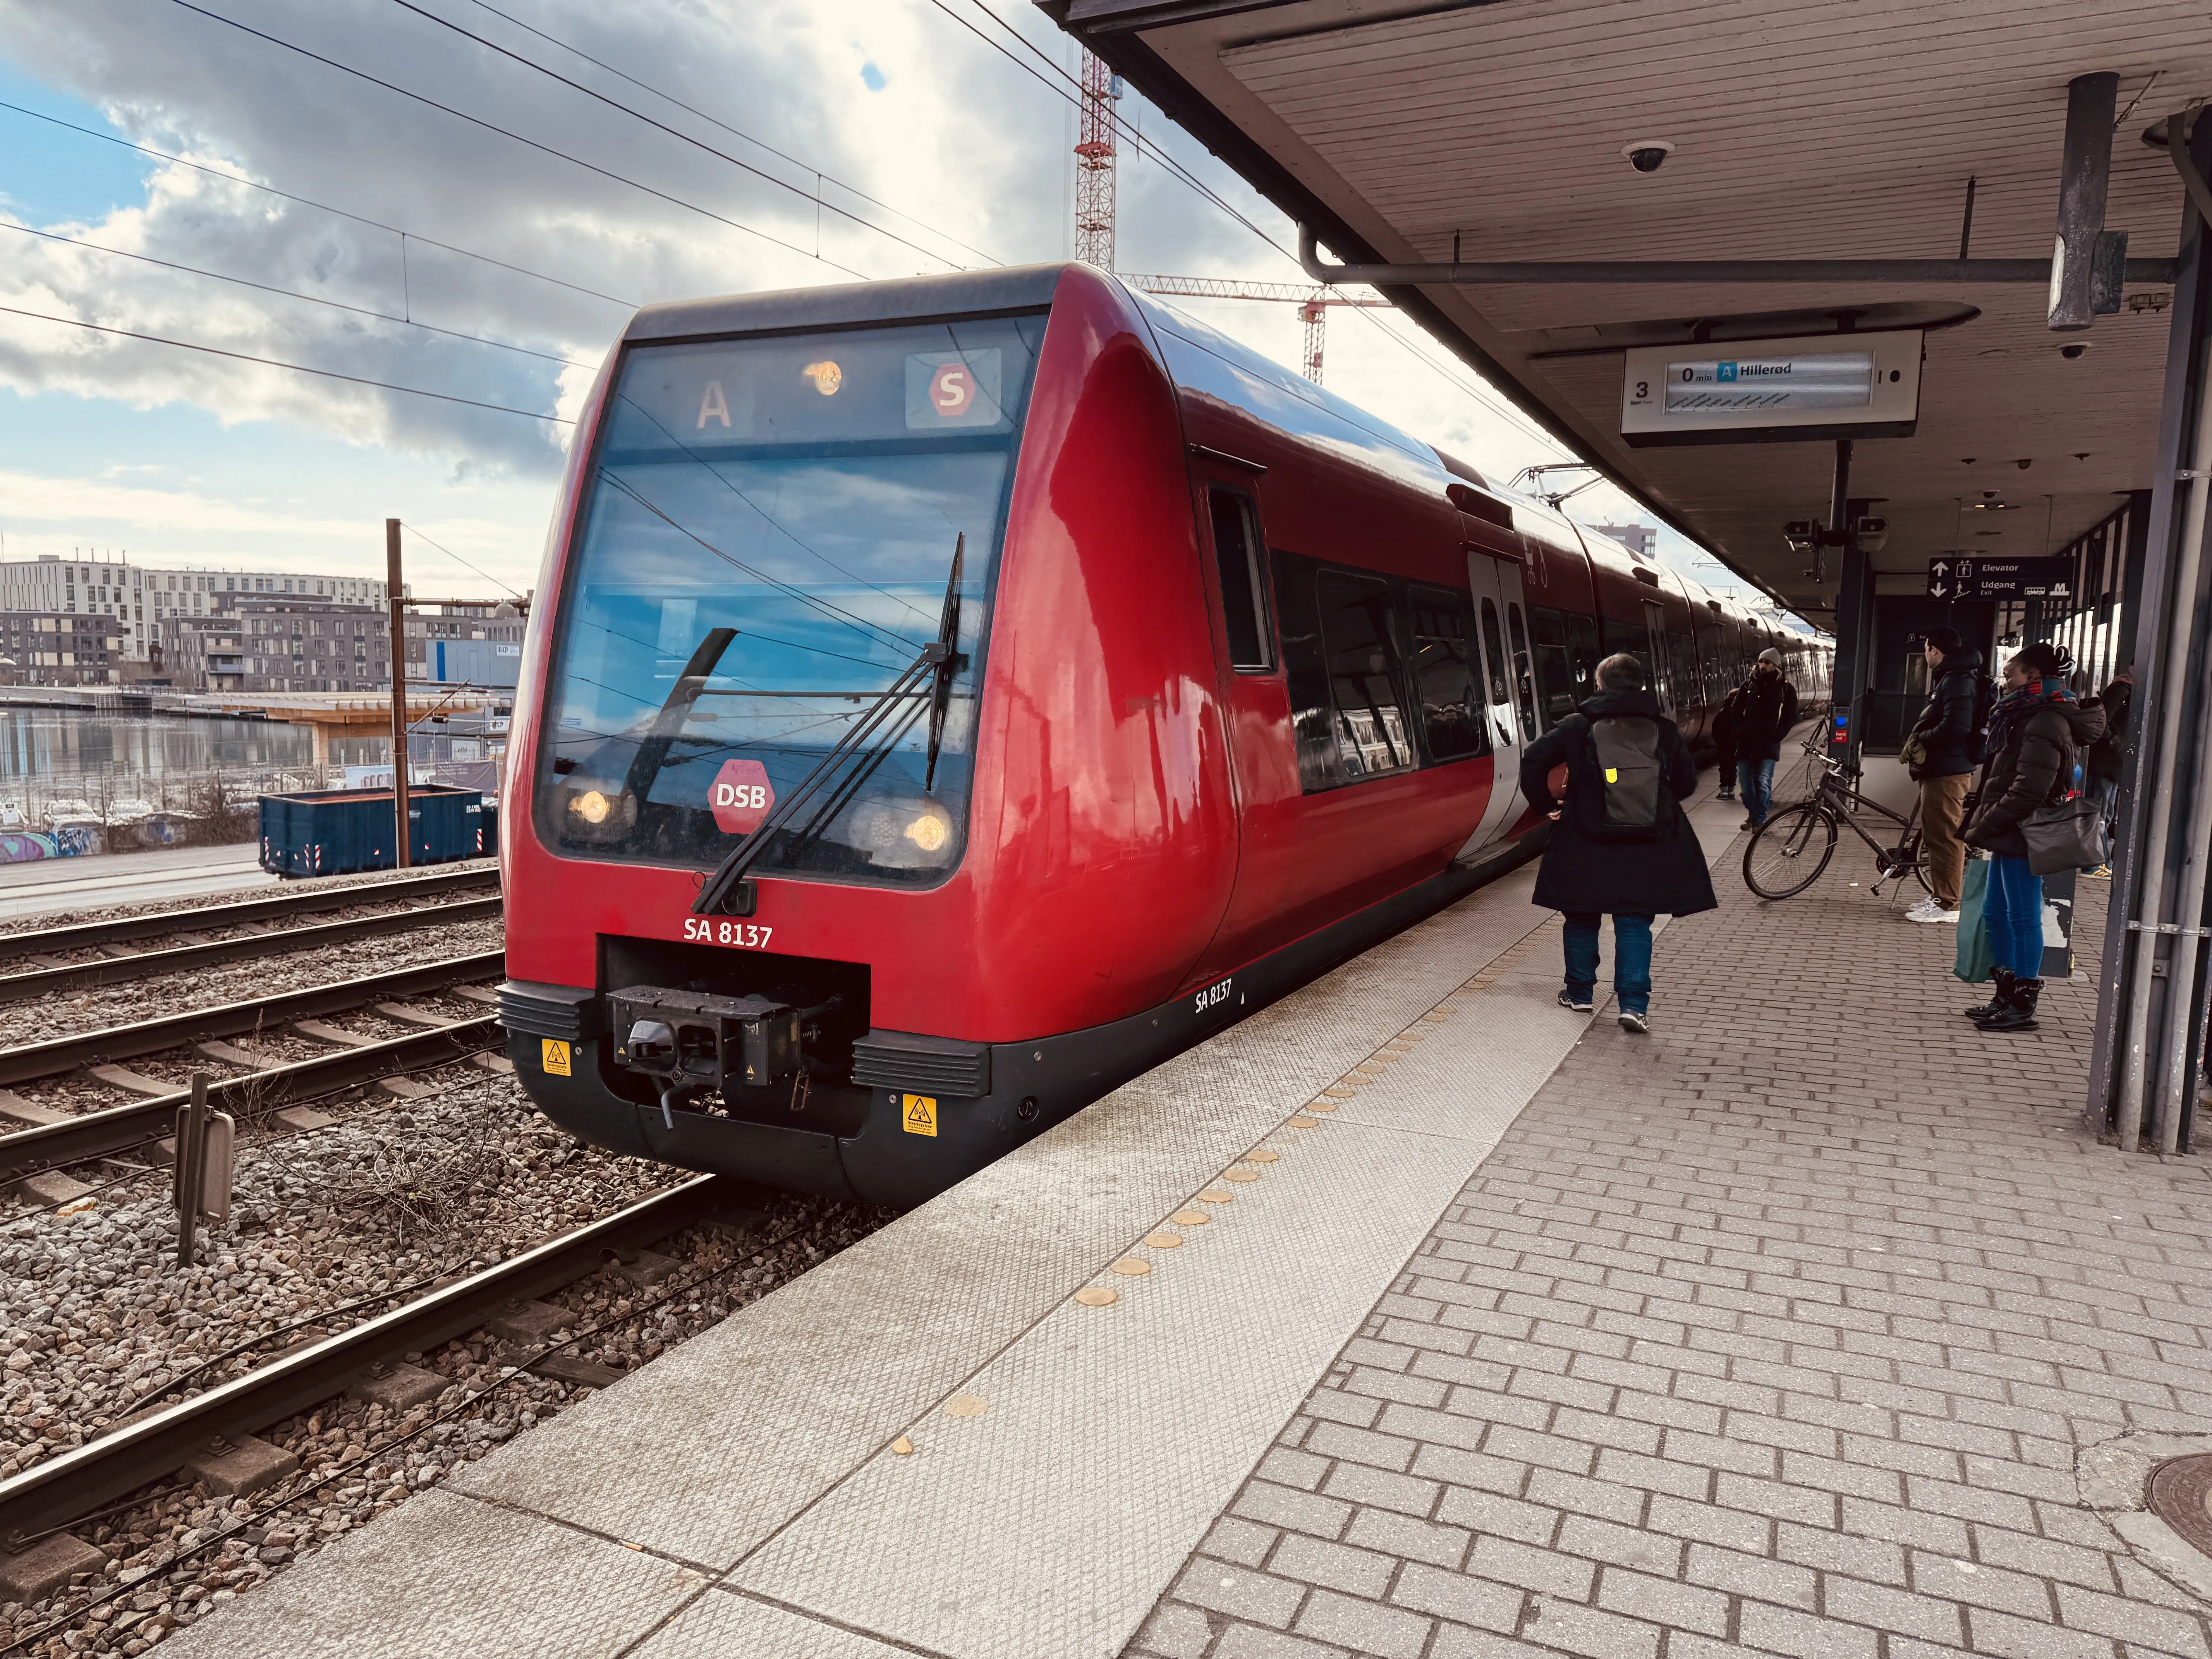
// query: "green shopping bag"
[[1976, 959]]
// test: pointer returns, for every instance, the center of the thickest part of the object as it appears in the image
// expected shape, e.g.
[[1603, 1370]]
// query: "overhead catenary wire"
[[293, 293], [296, 368], [420, 535], [735, 132], [509, 133], [677, 133], [229, 177]]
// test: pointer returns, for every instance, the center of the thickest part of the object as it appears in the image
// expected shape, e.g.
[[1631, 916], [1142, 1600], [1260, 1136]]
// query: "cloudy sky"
[[321, 210]]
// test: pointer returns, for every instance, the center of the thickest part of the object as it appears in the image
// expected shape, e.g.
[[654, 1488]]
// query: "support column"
[[2150, 1003], [394, 594], [1854, 618]]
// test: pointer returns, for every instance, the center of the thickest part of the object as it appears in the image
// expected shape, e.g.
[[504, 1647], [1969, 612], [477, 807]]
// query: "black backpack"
[[1620, 789]]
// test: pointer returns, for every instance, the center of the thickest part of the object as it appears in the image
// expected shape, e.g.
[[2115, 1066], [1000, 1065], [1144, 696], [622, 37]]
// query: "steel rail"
[[113, 971], [149, 1036], [79, 935], [75, 1483], [125, 1128]]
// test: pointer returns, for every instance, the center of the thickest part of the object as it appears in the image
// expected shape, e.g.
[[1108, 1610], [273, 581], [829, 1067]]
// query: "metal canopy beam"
[[1477, 274]]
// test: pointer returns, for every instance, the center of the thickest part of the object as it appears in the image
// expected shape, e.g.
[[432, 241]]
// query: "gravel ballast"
[[96, 1323]]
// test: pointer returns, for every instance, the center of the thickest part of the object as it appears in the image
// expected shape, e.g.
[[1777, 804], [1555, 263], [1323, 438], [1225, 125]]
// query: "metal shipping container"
[[331, 832]]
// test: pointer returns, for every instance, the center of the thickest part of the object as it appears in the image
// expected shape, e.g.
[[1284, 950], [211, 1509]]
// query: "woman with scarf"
[[2036, 732]]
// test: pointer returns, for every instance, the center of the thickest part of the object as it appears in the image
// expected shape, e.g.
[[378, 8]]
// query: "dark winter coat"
[[1947, 724], [1587, 876], [2036, 762], [2108, 759], [1766, 708], [1723, 729]]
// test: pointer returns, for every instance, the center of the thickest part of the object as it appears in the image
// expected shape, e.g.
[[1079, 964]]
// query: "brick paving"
[[1776, 1332]]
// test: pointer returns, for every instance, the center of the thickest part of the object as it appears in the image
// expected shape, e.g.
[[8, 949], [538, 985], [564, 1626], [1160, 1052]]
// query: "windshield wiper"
[[867, 745], [948, 636], [652, 754]]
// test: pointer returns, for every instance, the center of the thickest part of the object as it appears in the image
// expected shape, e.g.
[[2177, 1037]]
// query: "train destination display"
[[1768, 390]]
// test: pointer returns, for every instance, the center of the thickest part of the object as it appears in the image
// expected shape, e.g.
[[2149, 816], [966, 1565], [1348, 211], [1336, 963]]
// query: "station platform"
[[135, 877], [1811, 1323]]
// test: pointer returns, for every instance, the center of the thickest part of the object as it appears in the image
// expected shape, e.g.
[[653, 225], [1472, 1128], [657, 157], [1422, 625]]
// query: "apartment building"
[[50, 648], [140, 598]]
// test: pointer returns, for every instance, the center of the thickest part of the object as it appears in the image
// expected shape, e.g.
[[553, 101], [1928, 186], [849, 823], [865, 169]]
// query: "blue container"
[[335, 832]]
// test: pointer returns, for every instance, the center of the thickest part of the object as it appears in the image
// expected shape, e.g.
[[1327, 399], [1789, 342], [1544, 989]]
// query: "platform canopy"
[[1796, 130]]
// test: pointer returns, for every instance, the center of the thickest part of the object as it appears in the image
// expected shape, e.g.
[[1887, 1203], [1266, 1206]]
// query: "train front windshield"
[[770, 544]]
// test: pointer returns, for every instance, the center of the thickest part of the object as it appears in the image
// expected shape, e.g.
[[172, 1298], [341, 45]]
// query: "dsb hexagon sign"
[[741, 795]]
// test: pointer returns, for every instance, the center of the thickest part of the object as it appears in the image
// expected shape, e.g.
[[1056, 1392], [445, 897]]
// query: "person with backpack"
[[1940, 753], [2037, 733], [1767, 711], [1614, 775]]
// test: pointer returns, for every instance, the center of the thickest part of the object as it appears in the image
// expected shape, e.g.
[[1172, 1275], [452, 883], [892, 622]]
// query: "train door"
[[1497, 586]]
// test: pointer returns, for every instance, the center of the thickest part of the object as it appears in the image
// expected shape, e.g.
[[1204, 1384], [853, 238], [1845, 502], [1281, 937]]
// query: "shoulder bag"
[[2068, 834]]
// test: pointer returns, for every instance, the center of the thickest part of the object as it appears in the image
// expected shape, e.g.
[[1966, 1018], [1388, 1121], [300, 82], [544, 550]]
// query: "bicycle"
[[1790, 850]]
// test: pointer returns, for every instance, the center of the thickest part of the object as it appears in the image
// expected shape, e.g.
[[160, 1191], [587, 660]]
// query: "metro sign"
[[741, 796]]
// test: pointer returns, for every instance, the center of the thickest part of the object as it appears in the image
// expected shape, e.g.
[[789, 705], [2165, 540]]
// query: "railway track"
[[117, 1131], [43, 974], [65, 1488]]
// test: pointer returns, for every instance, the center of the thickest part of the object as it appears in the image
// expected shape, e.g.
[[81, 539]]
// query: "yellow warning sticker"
[[556, 1057], [1612, 774], [918, 1114]]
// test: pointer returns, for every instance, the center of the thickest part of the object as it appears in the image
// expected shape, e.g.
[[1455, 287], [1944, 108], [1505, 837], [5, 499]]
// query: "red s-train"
[[958, 695]]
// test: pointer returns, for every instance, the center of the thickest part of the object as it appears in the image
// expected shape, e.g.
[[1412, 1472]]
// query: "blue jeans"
[[1632, 958], [2014, 909], [1755, 783]]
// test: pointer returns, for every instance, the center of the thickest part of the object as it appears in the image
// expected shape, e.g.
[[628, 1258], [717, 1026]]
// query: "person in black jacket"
[[1767, 711], [2036, 731], [2110, 757], [1948, 738], [1589, 875]]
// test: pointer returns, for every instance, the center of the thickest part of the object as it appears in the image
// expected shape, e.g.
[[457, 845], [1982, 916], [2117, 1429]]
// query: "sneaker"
[[1748, 825], [1724, 795], [1929, 910], [2102, 872], [1579, 1001], [1636, 1020]]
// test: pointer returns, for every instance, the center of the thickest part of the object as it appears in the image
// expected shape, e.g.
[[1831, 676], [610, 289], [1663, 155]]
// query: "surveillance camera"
[[2074, 348], [2024, 464], [1871, 534], [1647, 154]]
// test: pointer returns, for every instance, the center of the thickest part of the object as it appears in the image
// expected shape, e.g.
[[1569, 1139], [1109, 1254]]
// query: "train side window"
[[1524, 673], [1583, 655], [1236, 552], [1445, 686], [1365, 674], [1555, 670], [1305, 672], [1494, 651]]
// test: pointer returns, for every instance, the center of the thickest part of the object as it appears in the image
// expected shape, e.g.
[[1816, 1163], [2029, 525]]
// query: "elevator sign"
[[2001, 578], [1769, 390]]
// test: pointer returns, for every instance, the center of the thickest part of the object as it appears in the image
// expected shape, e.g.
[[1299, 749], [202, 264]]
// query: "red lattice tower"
[[1094, 167]]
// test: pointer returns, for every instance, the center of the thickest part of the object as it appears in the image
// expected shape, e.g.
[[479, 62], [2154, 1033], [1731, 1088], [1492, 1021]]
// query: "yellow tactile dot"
[[1322, 1106], [1129, 1268], [1190, 1217], [902, 1447], [1243, 1175], [1262, 1155], [1304, 1122], [1097, 1296], [1164, 1240], [966, 1405], [1341, 1090], [1215, 1196]]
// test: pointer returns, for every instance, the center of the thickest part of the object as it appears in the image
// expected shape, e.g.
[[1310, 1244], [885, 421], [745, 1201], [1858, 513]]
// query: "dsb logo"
[[741, 796]]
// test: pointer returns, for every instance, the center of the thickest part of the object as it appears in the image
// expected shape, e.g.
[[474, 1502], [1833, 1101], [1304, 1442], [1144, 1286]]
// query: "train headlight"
[[931, 829], [595, 811], [592, 806]]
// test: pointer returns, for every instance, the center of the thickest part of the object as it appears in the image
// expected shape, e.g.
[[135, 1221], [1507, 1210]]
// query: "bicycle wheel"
[[1788, 851]]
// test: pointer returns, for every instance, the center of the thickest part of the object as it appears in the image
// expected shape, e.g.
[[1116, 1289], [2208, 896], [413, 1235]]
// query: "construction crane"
[[1312, 303], [1094, 165]]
